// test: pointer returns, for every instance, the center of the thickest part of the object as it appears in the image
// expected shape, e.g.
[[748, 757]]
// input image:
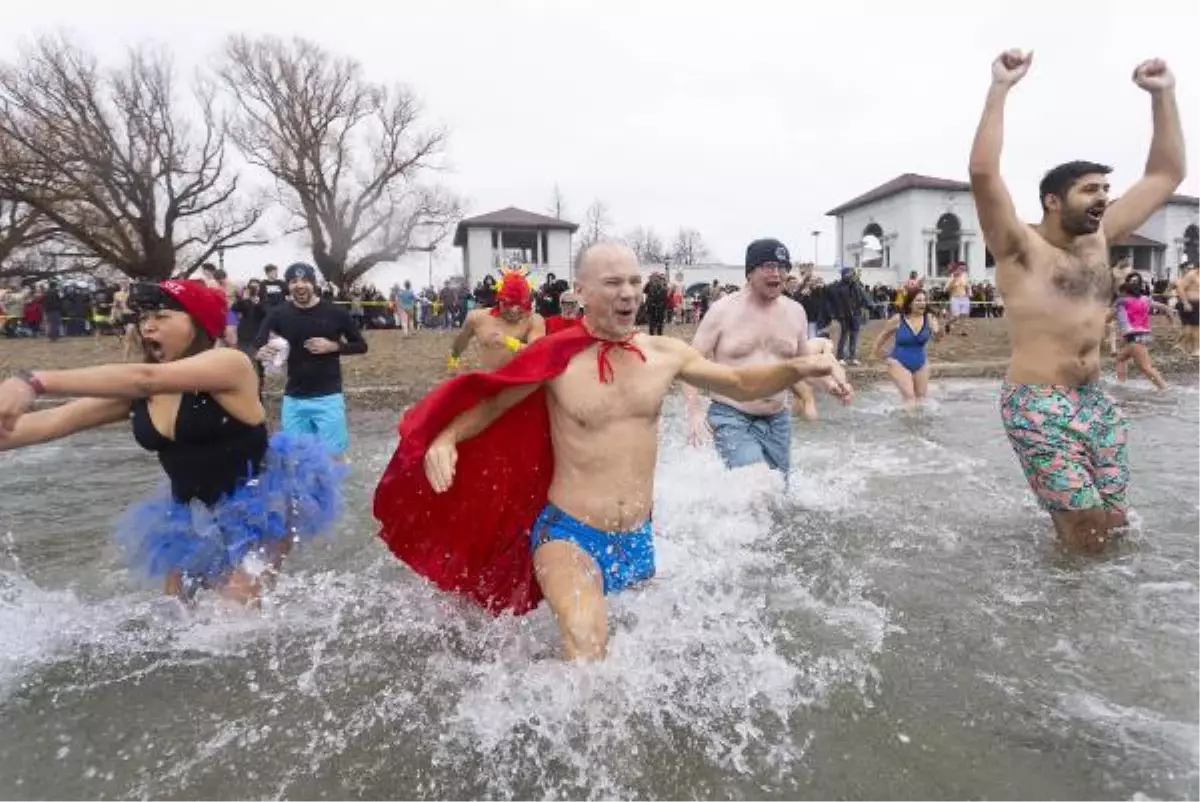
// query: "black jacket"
[[847, 299]]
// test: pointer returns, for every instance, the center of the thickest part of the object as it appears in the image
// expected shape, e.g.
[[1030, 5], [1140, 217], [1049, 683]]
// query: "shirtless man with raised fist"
[[1069, 436]]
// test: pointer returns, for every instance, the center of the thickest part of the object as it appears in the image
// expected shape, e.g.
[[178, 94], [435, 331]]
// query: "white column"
[[537, 250]]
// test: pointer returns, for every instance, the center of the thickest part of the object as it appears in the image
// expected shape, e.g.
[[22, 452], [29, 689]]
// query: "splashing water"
[[893, 622]]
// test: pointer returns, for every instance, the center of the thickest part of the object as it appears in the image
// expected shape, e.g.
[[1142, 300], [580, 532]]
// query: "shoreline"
[[397, 371]]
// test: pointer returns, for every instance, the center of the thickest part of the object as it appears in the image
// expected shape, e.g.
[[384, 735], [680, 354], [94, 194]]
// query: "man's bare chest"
[[1082, 276], [780, 341], [635, 392], [495, 327]]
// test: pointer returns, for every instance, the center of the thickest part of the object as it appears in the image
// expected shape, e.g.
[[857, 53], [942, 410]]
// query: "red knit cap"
[[207, 306]]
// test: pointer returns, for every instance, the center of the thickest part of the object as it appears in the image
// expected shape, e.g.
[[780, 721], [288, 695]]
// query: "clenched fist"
[[1154, 75], [1010, 67]]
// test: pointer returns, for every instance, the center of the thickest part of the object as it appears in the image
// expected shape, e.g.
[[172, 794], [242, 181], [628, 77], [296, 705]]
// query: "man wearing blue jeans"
[[758, 325], [318, 334]]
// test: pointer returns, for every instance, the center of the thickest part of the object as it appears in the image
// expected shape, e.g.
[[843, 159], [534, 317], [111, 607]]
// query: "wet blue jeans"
[[744, 439]]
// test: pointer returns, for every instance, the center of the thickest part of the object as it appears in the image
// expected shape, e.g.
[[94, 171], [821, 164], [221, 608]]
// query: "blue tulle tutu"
[[297, 495]]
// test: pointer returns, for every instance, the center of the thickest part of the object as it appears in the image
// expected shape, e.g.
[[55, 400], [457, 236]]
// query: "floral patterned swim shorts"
[[1071, 442]]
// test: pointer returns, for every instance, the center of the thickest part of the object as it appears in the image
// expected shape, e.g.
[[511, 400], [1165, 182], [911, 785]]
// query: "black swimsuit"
[[212, 454]]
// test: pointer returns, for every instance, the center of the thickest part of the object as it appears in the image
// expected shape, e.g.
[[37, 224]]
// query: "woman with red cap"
[[237, 501]]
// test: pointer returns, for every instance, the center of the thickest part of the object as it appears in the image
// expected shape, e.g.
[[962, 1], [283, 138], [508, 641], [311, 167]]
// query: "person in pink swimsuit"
[[1132, 312]]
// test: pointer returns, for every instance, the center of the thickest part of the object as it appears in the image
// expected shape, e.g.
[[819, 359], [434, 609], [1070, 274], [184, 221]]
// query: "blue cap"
[[301, 270], [846, 271]]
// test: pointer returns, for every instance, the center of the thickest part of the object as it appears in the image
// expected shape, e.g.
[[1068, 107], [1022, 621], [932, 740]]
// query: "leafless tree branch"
[[348, 154], [646, 243], [115, 163], [689, 248]]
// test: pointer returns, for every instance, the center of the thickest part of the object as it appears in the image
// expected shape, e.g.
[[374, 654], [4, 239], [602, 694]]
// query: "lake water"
[[899, 624]]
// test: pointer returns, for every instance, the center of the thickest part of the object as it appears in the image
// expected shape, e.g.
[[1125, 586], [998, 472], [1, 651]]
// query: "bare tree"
[[596, 225], [689, 248], [25, 235], [346, 154], [558, 203], [646, 243], [128, 178]]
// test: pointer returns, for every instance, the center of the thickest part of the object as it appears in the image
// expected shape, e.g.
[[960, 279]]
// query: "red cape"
[[474, 538], [557, 323]]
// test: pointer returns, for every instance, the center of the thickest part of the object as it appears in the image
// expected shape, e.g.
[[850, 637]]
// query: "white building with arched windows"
[[927, 224]]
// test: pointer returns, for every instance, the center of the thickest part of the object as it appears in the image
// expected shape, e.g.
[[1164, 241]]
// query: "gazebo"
[[514, 237], [1145, 254]]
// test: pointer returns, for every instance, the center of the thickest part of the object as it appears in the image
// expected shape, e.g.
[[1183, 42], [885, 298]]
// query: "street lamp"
[[816, 235], [429, 247]]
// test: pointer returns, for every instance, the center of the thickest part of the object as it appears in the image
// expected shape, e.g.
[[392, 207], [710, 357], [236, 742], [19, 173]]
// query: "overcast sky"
[[741, 119]]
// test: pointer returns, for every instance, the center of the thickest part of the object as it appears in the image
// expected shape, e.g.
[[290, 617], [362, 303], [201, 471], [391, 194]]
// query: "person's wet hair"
[[1059, 180], [906, 307]]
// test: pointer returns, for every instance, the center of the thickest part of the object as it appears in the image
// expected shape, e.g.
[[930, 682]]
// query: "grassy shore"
[[397, 370]]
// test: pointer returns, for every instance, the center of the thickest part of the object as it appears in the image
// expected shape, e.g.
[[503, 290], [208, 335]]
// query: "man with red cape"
[[538, 478]]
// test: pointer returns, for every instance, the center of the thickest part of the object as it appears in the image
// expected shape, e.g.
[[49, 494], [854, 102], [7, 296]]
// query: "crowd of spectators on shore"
[[76, 308]]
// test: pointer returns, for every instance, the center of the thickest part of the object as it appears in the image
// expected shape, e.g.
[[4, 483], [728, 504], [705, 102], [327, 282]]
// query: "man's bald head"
[[610, 286], [594, 258]]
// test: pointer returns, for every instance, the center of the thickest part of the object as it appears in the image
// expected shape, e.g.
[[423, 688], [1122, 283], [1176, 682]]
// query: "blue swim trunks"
[[323, 416], [744, 439], [624, 558]]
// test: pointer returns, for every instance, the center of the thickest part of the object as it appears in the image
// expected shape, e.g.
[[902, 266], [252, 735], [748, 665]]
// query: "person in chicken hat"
[[504, 329], [237, 499]]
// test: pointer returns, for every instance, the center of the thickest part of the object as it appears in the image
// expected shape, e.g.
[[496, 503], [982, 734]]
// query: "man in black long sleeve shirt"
[[272, 291], [318, 334]]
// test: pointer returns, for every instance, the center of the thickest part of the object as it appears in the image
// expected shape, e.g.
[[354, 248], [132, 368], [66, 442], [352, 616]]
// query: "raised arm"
[[47, 425], [1165, 166], [1003, 231]]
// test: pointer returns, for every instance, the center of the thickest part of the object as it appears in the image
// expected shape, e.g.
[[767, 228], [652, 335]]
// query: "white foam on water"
[[1135, 728], [762, 610], [39, 626], [710, 658], [36, 624]]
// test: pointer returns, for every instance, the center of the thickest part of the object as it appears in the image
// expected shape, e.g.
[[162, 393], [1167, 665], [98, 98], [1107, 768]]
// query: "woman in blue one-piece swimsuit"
[[907, 364]]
